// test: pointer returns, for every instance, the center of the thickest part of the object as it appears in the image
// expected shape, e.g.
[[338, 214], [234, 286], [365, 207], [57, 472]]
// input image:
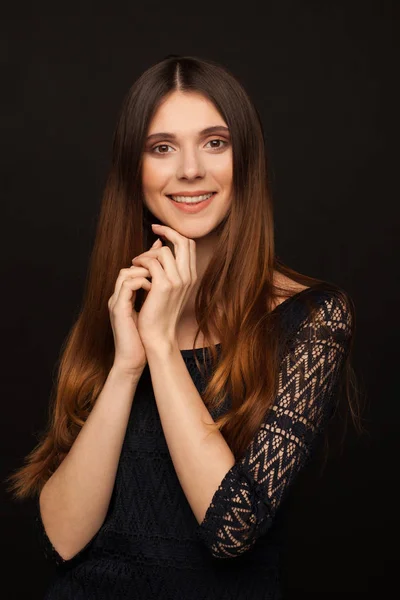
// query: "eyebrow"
[[171, 136]]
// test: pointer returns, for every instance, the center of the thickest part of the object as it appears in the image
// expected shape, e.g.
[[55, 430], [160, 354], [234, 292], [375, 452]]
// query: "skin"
[[189, 163]]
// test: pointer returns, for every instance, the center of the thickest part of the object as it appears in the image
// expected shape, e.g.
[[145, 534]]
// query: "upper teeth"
[[191, 199]]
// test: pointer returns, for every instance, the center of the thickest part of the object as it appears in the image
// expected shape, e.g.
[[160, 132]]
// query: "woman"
[[199, 375]]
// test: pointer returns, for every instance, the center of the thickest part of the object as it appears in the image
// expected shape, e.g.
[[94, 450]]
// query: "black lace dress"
[[151, 545]]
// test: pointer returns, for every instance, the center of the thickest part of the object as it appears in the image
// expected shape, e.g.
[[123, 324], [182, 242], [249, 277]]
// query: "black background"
[[323, 76]]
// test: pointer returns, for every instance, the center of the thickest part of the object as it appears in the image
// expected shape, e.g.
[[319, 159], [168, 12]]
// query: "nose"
[[190, 164]]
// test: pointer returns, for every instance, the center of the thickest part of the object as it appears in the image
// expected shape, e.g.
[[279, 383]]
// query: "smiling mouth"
[[190, 199]]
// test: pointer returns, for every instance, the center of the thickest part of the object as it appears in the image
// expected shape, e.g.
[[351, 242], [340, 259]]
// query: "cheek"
[[223, 170], [224, 178], [154, 176], [147, 174]]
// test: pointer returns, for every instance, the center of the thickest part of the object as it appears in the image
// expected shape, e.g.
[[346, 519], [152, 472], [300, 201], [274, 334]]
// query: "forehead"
[[185, 112]]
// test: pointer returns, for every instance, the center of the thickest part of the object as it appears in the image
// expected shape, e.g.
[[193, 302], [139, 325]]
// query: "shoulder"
[[288, 288], [324, 308]]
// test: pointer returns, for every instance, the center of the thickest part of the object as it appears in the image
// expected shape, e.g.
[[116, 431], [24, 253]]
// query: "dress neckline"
[[189, 351]]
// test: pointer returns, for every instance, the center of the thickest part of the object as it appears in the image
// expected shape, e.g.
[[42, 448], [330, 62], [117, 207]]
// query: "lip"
[[192, 208], [189, 194]]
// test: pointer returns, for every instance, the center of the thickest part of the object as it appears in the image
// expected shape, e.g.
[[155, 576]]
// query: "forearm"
[[75, 500], [200, 459]]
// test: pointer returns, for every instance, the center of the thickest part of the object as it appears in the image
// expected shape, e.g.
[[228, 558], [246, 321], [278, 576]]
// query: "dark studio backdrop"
[[323, 77]]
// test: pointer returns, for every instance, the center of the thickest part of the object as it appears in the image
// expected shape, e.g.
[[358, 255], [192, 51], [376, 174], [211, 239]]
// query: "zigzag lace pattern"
[[244, 505], [143, 535]]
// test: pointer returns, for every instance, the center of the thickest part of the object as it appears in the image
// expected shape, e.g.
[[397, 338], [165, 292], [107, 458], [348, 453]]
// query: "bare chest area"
[[186, 332]]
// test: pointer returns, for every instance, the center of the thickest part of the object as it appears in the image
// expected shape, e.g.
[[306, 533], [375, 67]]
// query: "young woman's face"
[[191, 162]]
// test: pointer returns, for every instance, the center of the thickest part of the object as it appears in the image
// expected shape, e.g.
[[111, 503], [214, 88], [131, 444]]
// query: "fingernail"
[[157, 240]]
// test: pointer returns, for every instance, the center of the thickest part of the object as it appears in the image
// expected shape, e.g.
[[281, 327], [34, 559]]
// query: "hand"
[[171, 285], [130, 355]]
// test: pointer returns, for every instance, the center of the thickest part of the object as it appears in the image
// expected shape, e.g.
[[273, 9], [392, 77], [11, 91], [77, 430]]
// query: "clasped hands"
[[172, 280]]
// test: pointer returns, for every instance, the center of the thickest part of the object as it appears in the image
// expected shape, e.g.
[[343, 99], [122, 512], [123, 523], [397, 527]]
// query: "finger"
[[165, 258], [182, 250], [133, 271], [130, 272], [193, 261], [127, 292], [153, 252], [160, 267], [157, 244]]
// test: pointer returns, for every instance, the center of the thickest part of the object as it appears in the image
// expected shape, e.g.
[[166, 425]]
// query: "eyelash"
[[214, 140]]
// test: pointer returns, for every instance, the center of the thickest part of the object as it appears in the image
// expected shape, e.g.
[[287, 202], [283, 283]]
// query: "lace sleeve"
[[45, 544], [243, 507]]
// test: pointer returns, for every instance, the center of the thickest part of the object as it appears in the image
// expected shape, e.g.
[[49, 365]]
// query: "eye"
[[160, 146], [218, 140], [168, 146]]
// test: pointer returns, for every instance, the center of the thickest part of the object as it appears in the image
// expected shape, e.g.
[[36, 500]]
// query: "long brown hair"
[[240, 315]]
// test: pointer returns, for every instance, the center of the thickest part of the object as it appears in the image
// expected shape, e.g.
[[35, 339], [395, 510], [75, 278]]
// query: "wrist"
[[162, 348], [120, 372]]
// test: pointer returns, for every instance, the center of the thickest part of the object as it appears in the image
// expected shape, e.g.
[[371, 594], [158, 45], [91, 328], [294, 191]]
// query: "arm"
[[74, 501], [249, 495], [200, 459]]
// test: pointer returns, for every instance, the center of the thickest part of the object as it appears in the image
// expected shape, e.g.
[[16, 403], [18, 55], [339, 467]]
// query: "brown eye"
[[160, 146], [218, 140]]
